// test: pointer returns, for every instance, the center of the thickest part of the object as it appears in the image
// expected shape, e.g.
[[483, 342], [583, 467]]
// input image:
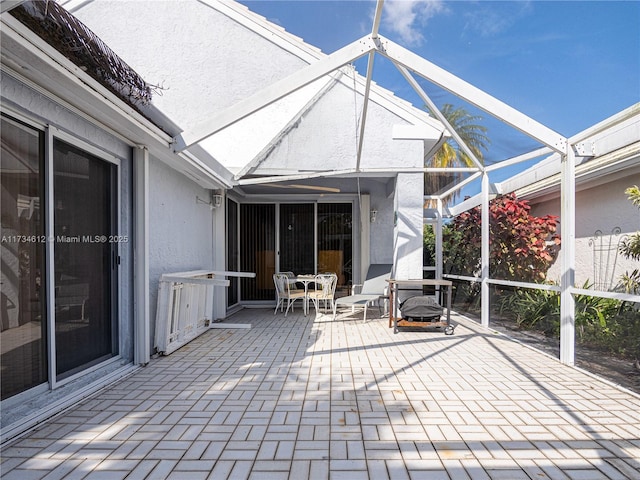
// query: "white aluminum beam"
[[376, 19], [365, 104], [287, 178], [439, 242], [519, 159], [616, 119], [275, 92], [473, 95], [461, 184], [436, 111], [142, 326]]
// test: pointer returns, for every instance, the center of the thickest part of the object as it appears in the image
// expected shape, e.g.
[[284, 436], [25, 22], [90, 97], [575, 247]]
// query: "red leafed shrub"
[[521, 246]]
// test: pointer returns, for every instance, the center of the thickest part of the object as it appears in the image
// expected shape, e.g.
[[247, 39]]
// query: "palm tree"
[[450, 154]]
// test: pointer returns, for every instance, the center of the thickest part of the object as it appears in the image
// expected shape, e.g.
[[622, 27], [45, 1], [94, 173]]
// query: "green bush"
[[602, 323]]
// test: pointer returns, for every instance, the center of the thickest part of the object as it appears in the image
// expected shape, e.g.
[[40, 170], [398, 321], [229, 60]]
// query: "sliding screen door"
[[258, 250], [335, 241], [85, 258], [297, 246]]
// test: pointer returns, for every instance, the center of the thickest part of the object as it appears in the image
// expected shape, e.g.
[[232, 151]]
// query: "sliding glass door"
[[59, 258], [335, 241], [311, 238], [257, 250], [23, 345]]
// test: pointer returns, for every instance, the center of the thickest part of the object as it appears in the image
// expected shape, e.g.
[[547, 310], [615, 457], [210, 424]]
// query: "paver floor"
[[307, 397]]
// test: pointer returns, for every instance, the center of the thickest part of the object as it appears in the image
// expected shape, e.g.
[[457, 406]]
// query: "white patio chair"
[[285, 292], [325, 290], [293, 284]]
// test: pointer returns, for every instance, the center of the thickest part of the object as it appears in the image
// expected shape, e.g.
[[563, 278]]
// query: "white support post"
[[567, 260], [484, 315], [142, 329], [439, 257], [219, 248]]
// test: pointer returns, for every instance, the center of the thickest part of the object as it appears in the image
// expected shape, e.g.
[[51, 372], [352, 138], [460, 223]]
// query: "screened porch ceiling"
[[523, 140]]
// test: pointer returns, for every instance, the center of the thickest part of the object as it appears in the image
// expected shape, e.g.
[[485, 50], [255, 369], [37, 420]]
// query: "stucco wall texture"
[[600, 207]]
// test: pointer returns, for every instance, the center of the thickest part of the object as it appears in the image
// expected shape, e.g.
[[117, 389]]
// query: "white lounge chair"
[[373, 290]]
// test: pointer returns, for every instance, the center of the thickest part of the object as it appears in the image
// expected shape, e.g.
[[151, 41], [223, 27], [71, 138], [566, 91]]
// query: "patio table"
[[305, 279]]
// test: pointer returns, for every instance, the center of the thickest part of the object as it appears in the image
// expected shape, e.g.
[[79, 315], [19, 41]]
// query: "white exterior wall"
[[326, 137], [408, 248], [602, 207], [181, 231]]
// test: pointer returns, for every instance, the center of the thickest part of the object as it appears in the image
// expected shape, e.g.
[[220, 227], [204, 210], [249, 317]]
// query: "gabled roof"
[[269, 125]]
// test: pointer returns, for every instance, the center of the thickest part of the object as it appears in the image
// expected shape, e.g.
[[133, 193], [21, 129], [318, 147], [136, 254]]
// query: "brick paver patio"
[[307, 397]]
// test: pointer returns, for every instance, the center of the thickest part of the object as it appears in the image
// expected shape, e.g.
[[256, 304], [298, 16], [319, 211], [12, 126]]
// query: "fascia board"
[[261, 26], [611, 136], [621, 163], [38, 63]]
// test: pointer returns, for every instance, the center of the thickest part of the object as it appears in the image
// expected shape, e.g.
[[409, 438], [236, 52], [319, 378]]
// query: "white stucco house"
[[141, 139], [83, 163], [604, 215]]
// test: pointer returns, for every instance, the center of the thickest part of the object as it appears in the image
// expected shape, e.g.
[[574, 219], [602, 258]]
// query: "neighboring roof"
[[607, 150], [604, 152]]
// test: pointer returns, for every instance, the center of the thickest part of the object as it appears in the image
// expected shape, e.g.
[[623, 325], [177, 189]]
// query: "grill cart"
[[410, 308]]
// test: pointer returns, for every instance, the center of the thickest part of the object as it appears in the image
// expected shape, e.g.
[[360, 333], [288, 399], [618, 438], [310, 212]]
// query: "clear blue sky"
[[568, 65]]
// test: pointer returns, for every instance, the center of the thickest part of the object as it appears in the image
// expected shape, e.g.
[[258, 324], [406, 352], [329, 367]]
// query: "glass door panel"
[[335, 241], [233, 260], [297, 248], [258, 250], [84, 223], [23, 362]]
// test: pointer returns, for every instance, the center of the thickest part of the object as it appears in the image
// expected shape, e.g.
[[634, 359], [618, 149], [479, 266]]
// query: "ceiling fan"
[[303, 187]]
